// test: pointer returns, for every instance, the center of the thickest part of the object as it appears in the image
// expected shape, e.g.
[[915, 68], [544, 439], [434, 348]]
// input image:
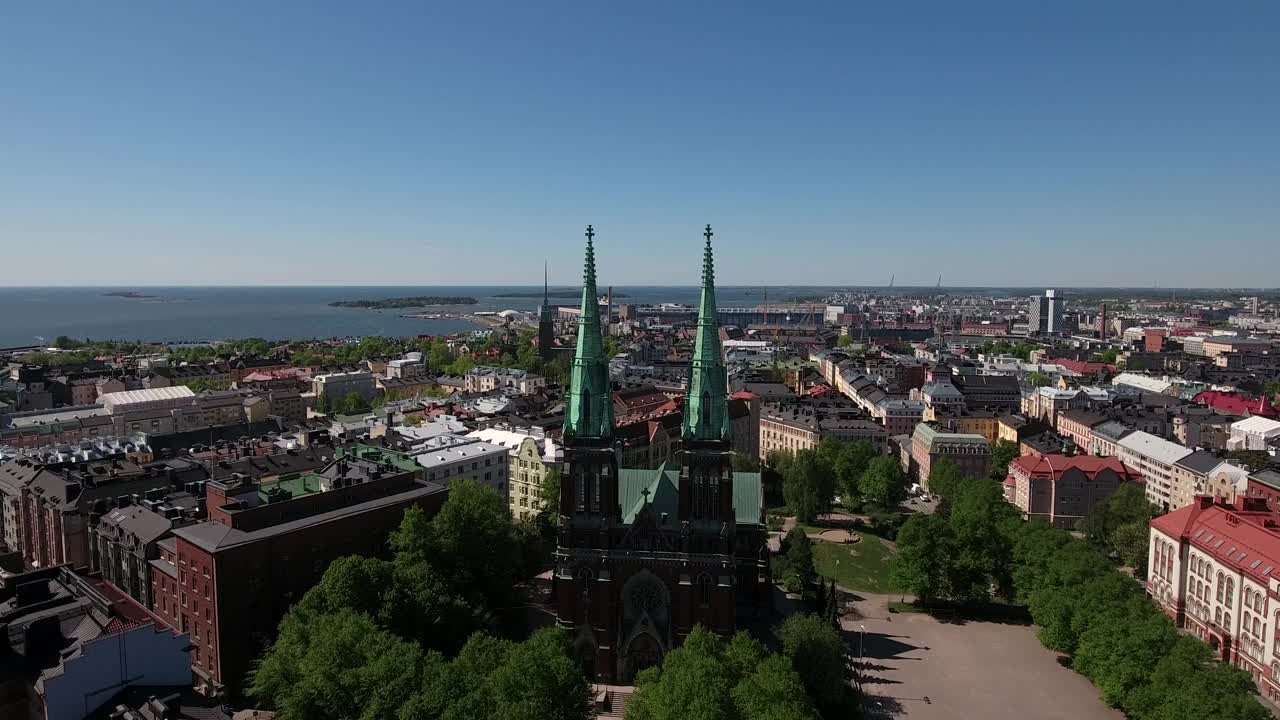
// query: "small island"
[[131, 294], [553, 293], [405, 302]]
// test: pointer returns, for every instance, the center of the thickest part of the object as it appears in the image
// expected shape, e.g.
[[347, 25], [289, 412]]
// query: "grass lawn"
[[860, 566]]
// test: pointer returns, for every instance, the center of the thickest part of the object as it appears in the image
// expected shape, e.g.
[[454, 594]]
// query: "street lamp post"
[[862, 633]]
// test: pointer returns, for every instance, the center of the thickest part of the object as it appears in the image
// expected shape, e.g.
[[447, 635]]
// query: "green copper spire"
[[706, 412], [590, 409]]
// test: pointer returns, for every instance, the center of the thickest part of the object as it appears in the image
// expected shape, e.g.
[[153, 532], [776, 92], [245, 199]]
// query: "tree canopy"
[[884, 482], [807, 486], [708, 679], [817, 653], [1002, 453], [369, 641], [977, 547], [1120, 525]]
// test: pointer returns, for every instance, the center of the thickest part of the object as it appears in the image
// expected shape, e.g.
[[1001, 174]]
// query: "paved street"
[[924, 669]]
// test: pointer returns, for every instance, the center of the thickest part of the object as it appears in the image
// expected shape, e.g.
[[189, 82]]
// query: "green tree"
[[945, 479], [982, 555], [1002, 453], [337, 665], [352, 404], [799, 553], [1188, 683], [704, 679], [199, 385], [470, 541], [1119, 525], [817, 653], [549, 511], [611, 347], [806, 487], [1272, 389], [844, 341], [1131, 543], [922, 566], [884, 482], [846, 462]]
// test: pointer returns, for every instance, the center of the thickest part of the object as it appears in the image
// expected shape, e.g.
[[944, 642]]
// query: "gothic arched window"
[[704, 590]]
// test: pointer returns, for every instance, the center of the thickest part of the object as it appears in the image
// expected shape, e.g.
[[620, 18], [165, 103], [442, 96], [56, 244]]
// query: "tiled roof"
[[1236, 404], [1052, 466], [1247, 539]]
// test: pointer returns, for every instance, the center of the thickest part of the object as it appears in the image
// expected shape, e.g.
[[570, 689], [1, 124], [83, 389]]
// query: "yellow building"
[[532, 455]]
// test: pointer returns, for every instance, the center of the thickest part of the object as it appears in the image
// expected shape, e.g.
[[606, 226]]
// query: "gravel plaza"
[[923, 668]]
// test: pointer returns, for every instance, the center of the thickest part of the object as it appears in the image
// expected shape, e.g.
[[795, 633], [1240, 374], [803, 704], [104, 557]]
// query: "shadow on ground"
[[880, 707], [998, 613]]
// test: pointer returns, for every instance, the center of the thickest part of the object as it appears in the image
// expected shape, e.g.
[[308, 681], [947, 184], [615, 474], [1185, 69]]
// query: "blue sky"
[[1019, 143]]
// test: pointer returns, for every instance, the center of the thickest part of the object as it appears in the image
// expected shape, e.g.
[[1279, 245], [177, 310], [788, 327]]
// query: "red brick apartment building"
[[1062, 489], [229, 580]]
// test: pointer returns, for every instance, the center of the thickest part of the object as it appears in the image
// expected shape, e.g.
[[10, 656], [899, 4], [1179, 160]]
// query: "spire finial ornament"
[[707, 408], [589, 413]]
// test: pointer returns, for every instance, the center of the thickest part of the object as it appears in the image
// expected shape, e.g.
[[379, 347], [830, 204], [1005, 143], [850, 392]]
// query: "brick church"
[[644, 555]]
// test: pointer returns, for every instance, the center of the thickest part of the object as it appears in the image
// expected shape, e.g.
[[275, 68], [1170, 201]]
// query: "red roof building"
[[1081, 367], [1062, 489], [1213, 567], [1236, 404]]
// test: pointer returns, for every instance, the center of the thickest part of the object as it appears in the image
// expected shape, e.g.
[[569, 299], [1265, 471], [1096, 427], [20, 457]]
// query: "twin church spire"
[[589, 414]]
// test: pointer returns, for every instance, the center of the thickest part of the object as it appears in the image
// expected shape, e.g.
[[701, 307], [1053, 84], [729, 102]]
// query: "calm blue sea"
[[36, 315]]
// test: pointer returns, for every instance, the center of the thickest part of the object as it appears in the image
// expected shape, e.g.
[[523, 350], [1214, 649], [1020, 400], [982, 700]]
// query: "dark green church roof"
[[663, 492]]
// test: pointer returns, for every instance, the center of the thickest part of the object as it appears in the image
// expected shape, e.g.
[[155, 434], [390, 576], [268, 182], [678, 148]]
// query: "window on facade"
[[704, 589], [1221, 587], [1217, 616], [1231, 586], [1226, 621], [1257, 627]]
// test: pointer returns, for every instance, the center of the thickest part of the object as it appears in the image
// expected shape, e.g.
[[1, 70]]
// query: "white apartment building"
[[336, 386], [451, 457], [1154, 458], [1255, 433], [531, 456]]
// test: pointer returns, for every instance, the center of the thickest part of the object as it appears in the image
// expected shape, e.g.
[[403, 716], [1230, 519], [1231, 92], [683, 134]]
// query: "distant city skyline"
[[1090, 145]]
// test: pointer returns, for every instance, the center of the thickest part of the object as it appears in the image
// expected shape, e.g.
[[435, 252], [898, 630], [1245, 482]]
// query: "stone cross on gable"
[[707, 234], [645, 493], [590, 233]]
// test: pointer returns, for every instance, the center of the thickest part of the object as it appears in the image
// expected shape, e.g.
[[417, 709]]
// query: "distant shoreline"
[[562, 293], [405, 302], [130, 294]]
